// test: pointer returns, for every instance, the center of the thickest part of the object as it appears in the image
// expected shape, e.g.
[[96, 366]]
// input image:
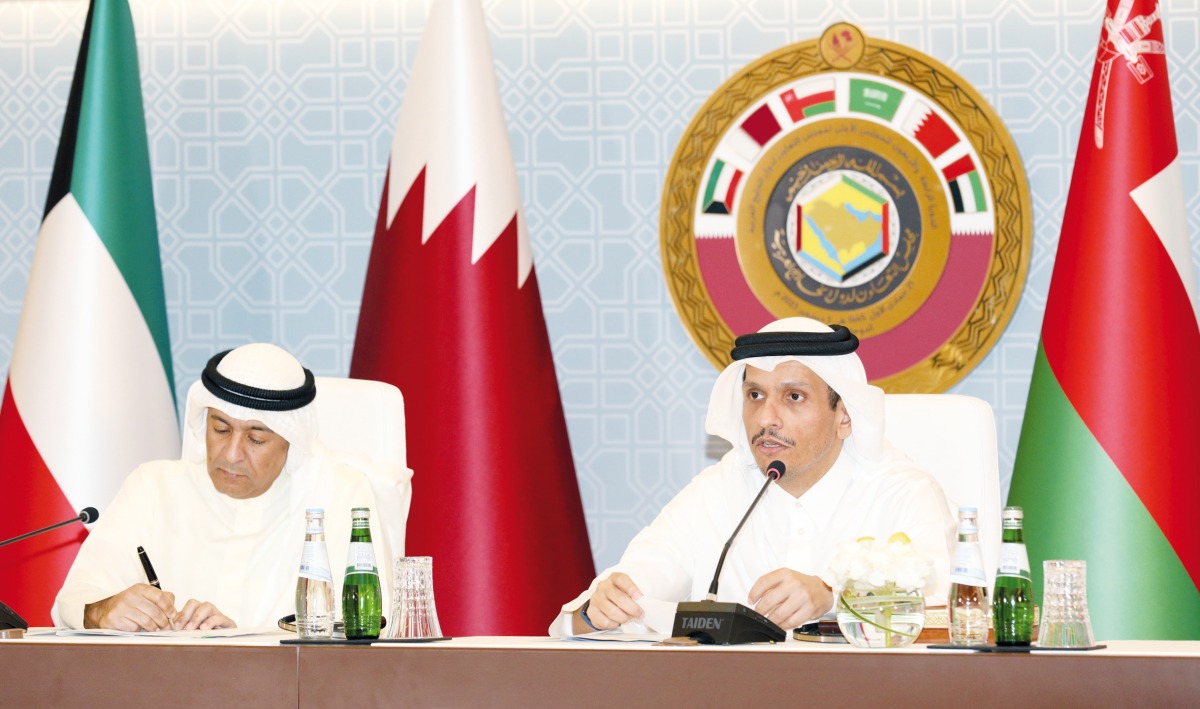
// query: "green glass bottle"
[[362, 600], [1012, 602]]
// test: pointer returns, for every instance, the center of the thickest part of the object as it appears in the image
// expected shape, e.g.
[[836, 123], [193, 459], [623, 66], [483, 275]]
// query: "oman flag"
[[89, 393], [1105, 468], [452, 316]]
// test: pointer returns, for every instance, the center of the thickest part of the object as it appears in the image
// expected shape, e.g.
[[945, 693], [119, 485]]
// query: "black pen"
[[150, 575]]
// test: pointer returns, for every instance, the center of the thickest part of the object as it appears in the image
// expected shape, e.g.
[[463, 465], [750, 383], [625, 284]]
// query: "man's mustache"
[[771, 433], [235, 469]]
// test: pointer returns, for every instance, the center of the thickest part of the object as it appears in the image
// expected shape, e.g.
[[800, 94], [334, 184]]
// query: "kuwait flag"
[[1105, 467], [452, 316], [89, 393]]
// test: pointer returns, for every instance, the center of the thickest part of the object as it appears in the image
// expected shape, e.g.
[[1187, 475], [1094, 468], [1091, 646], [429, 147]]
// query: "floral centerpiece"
[[879, 584]]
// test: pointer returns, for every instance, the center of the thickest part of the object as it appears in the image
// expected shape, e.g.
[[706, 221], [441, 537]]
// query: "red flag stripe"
[[32, 570], [958, 168]]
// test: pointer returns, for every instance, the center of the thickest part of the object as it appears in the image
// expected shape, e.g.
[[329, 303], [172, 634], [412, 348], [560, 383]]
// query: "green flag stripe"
[[711, 188], [111, 174], [977, 190], [1079, 506]]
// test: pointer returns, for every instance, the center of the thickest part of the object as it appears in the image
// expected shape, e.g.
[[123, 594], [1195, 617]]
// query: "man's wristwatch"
[[583, 614]]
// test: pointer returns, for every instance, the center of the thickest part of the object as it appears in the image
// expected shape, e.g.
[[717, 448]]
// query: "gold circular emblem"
[[854, 181], [842, 45]]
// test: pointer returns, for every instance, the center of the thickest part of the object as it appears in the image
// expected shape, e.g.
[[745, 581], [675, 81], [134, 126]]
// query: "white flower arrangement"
[[870, 563]]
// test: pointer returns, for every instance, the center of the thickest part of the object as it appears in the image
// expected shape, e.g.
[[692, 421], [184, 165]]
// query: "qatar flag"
[[451, 315]]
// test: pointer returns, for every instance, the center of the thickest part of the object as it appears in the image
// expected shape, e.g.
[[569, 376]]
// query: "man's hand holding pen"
[[145, 606], [139, 607]]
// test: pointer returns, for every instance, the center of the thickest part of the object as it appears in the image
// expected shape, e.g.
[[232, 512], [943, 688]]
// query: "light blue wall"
[[269, 126]]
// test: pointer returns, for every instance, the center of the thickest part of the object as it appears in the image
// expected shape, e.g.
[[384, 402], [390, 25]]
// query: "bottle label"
[[314, 562], [968, 565], [361, 559], [1014, 560]]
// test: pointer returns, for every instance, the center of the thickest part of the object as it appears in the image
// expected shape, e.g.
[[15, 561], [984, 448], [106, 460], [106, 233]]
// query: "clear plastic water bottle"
[[314, 587], [969, 608]]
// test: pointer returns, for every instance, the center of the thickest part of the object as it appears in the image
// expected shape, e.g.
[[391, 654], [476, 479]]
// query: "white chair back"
[[363, 416], [953, 437], [363, 422]]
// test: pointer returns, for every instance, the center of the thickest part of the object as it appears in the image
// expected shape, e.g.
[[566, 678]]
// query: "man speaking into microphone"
[[795, 393]]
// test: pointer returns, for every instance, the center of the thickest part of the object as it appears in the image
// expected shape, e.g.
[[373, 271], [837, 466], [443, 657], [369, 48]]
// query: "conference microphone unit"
[[10, 621], [712, 622], [87, 515]]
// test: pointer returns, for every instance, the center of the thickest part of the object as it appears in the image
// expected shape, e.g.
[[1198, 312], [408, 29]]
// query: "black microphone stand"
[[711, 622], [87, 515], [9, 619]]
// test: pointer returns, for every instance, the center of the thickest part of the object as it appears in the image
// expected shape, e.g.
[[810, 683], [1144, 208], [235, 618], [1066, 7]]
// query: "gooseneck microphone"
[[87, 515], [775, 470], [712, 622]]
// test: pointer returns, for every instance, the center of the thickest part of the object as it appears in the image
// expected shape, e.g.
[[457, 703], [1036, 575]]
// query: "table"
[[536, 672]]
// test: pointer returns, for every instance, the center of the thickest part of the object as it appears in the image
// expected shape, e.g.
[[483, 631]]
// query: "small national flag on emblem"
[[814, 98], [929, 129], [966, 188], [874, 98], [721, 188], [762, 125]]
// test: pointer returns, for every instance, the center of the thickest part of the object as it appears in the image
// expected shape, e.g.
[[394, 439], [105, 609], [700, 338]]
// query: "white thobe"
[[674, 558], [240, 555]]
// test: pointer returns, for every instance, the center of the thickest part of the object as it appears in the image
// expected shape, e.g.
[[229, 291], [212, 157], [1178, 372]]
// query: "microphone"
[[87, 515], [10, 621], [711, 622]]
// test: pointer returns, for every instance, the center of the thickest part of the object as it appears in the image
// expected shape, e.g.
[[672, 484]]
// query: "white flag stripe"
[[1162, 203], [452, 125], [82, 347]]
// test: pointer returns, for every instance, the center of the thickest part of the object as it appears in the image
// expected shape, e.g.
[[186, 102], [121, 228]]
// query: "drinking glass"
[[1065, 620], [414, 613]]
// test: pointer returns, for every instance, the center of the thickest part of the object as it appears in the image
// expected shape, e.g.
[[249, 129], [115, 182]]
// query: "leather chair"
[[954, 438]]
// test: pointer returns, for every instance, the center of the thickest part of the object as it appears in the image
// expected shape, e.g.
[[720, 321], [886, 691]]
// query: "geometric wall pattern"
[[270, 123]]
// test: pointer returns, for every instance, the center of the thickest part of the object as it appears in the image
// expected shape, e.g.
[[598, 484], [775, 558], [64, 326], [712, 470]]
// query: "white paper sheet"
[[217, 633]]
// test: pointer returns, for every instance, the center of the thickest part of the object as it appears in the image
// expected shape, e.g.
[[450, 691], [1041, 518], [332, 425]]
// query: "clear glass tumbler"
[[1065, 619], [414, 613]]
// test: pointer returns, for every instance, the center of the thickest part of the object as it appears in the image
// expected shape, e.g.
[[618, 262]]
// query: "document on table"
[[658, 621], [215, 633]]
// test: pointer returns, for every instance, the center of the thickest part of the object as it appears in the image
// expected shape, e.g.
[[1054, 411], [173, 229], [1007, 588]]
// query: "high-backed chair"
[[364, 418], [362, 424], [954, 438]]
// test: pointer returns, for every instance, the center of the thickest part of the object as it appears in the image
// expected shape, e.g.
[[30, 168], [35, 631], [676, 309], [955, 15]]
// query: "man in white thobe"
[[794, 393], [226, 530]]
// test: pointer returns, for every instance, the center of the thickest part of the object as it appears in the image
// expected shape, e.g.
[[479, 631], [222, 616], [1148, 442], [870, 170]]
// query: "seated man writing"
[[796, 393], [224, 531]]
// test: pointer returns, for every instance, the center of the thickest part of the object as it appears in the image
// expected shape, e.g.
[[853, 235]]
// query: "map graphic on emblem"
[[854, 181]]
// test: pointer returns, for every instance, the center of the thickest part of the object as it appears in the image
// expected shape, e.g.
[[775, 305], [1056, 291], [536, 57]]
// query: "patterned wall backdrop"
[[269, 125]]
